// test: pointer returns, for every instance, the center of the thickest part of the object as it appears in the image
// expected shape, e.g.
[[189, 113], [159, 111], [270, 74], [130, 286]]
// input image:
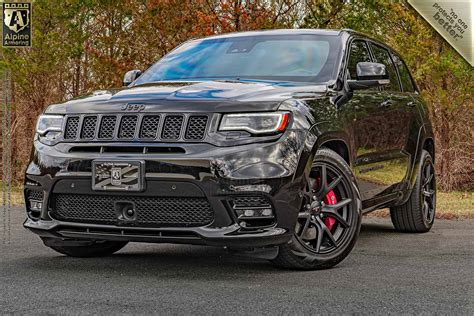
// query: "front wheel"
[[329, 219]]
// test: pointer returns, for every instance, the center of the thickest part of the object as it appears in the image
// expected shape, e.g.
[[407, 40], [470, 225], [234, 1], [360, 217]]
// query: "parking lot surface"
[[387, 272]]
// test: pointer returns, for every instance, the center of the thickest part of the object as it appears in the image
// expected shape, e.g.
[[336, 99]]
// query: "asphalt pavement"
[[387, 272]]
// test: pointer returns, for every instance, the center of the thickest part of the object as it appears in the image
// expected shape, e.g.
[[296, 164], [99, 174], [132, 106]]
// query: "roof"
[[333, 32], [278, 32]]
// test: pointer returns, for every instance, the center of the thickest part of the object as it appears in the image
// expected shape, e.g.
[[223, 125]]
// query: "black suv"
[[272, 143]]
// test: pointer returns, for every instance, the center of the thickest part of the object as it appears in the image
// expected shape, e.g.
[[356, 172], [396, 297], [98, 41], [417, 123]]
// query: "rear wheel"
[[98, 249], [329, 220], [418, 213]]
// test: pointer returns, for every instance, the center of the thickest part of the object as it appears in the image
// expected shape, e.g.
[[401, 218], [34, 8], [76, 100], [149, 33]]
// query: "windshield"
[[294, 57]]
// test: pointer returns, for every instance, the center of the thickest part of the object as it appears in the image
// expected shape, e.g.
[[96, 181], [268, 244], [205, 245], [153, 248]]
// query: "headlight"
[[49, 123], [49, 128], [255, 123]]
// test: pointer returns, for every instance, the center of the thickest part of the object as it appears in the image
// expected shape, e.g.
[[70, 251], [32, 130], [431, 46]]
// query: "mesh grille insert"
[[251, 201], [172, 127], [72, 125], [88, 127], [150, 211], [35, 195], [127, 126], [149, 127], [107, 127], [196, 127]]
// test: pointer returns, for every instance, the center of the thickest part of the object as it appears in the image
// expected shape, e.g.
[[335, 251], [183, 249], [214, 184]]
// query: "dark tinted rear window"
[[407, 83]]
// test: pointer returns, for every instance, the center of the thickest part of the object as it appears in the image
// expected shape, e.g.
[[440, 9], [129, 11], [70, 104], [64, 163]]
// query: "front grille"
[[150, 211], [110, 127]]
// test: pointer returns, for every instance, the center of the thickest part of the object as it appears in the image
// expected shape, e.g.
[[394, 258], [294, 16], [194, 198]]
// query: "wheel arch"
[[429, 146], [336, 141], [339, 146], [424, 143]]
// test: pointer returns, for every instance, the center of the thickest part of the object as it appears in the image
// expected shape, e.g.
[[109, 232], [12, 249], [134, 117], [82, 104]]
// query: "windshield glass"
[[294, 57]]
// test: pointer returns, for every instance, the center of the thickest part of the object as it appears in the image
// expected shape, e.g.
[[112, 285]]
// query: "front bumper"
[[269, 170], [231, 236]]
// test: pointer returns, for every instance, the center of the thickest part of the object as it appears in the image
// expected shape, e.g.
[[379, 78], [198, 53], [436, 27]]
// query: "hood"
[[203, 96]]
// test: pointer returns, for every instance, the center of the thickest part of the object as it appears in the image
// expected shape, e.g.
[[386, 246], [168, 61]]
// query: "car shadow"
[[163, 261], [167, 261], [376, 228]]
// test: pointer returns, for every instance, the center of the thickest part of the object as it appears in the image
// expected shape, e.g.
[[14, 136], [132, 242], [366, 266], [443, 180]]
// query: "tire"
[[97, 249], [418, 213], [304, 253]]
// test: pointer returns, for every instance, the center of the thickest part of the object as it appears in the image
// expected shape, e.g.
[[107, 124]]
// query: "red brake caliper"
[[330, 199]]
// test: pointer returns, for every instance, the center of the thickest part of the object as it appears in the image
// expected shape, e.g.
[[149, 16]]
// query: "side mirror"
[[369, 75], [131, 76]]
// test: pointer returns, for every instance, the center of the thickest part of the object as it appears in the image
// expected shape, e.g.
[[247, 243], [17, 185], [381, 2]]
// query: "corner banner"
[[453, 21]]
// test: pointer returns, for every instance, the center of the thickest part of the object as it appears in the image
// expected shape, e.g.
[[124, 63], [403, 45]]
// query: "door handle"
[[385, 104]]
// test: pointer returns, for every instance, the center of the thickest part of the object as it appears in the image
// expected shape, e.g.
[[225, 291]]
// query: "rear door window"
[[407, 83], [382, 56]]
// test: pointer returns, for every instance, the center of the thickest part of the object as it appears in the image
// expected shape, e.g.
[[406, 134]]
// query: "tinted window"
[[303, 58], [405, 78], [359, 53], [382, 56]]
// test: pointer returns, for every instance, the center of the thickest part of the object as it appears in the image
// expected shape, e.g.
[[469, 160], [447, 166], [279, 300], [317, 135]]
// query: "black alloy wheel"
[[323, 226], [428, 192], [328, 222], [417, 214]]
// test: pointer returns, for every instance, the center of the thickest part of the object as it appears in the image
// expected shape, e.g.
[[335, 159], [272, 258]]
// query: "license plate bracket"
[[117, 175]]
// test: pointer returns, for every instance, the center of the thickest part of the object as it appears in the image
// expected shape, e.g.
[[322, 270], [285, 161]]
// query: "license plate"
[[117, 175]]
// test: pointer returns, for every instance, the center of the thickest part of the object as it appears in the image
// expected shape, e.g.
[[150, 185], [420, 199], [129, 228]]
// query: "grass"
[[390, 173], [458, 204], [452, 205], [16, 197]]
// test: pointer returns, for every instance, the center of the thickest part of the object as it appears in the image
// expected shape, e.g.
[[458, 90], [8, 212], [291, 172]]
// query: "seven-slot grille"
[[167, 127]]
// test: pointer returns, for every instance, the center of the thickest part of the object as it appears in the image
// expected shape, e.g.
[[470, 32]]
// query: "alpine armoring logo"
[[16, 24]]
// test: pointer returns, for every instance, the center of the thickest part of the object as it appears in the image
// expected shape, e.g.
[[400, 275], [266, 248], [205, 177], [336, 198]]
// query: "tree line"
[[84, 45]]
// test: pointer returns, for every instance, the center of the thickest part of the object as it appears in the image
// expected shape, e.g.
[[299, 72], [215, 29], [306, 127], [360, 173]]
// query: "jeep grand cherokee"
[[273, 143]]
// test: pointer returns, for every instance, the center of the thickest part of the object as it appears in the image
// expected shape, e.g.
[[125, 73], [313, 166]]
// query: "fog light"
[[257, 212], [36, 205], [249, 213], [253, 212]]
